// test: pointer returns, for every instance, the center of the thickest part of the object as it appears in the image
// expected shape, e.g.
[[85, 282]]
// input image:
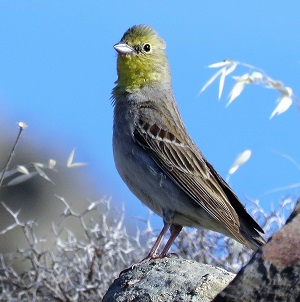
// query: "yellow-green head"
[[141, 59]]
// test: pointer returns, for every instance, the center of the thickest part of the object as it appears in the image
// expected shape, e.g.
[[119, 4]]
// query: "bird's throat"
[[135, 73]]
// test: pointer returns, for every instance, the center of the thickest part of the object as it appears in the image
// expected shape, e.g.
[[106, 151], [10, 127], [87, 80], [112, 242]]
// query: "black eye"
[[147, 47]]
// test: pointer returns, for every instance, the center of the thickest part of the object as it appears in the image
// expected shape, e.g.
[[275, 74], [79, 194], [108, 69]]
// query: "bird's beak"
[[123, 48]]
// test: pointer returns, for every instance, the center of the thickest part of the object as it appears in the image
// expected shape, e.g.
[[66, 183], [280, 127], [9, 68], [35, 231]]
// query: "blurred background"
[[58, 67]]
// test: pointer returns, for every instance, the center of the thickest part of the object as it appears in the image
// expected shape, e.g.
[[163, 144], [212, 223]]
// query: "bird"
[[156, 157]]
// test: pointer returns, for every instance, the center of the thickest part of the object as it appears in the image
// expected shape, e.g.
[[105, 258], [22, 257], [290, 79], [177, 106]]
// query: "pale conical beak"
[[123, 48]]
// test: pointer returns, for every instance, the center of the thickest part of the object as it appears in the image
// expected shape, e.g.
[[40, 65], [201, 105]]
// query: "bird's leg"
[[168, 216], [175, 230], [152, 254]]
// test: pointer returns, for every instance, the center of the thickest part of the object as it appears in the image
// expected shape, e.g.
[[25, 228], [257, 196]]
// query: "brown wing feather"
[[188, 169]]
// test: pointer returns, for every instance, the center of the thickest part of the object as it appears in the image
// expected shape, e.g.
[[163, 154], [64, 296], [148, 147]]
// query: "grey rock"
[[168, 279]]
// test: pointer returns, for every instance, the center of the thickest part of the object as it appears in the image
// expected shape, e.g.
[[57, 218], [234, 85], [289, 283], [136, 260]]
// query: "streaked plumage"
[[155, 155]]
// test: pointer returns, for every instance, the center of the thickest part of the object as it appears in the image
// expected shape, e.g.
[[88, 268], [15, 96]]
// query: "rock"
[[273, 274], [168, 279]]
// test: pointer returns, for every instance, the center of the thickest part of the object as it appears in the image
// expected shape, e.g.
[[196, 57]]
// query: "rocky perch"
[[169, 279], [273, 274]]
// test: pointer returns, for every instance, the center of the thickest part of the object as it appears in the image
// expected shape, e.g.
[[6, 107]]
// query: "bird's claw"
[[147, 259]]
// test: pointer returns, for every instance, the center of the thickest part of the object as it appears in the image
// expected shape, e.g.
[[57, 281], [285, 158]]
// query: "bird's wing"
[[182, 161]]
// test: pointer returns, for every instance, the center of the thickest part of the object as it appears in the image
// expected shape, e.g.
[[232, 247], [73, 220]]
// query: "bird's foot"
[[153, 257], [149, 258]]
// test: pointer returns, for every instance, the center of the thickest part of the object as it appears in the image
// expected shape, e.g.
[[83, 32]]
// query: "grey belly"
[[157, 191]]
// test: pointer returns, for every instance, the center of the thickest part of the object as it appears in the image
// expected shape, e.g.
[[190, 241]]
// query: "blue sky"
[[57, 69]]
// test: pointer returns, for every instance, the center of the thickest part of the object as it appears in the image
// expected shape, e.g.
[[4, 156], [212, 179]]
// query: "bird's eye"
[[147, 47]]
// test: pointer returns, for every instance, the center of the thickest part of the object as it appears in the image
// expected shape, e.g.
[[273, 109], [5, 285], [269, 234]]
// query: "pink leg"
[[175, 230], [152, 254]]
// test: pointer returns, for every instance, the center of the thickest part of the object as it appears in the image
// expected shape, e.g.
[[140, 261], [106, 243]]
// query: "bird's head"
[[141, 59]]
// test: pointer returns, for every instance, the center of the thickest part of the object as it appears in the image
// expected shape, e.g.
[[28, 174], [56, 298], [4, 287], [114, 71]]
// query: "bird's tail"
[[253, 237]]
